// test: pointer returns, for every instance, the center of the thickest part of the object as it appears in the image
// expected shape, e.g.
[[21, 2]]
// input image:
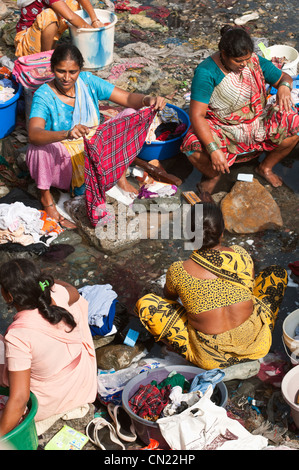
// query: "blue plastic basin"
[[8, 112], [159, 150]]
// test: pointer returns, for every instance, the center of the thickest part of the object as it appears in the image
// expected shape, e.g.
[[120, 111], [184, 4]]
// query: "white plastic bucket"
[[289, 53], [289, 390], [288, 330], [95, 44]]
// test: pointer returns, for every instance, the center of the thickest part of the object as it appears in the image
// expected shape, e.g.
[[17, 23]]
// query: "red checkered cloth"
[[149, 402], [108, 154]]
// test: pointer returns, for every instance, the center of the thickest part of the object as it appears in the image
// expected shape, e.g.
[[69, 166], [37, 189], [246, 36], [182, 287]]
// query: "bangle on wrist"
[[68, 134], [285, 84], [211, 147], [143, 100]]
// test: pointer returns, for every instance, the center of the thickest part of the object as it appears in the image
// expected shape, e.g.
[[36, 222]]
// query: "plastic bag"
[[206, 426]]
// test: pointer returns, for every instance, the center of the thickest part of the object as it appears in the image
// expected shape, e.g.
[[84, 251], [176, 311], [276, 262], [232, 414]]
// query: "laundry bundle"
[[165, 126], [102, 301], [7, 90], [172, 395], [156, 189], [26, 225]]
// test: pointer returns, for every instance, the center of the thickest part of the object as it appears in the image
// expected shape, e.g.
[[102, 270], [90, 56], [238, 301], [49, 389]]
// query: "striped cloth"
[[108, 154], [240, 119]]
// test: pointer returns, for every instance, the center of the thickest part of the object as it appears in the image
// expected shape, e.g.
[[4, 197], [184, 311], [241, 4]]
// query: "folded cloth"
[[107, 322], [202, 381], [100, 298], [156, 189]]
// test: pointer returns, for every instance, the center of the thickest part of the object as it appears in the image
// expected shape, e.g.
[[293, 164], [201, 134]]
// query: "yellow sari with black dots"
[[167, 320]]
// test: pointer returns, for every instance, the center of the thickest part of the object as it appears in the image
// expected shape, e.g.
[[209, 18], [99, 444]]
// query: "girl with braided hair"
[[48, 347]]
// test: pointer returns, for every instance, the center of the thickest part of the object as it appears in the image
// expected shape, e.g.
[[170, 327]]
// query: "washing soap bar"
[[131, 338], [245, 177]]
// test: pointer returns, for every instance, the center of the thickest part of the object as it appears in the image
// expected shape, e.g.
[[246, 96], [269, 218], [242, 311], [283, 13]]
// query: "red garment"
[[149, 402], [294, 267], [30, 12], [108, 154], [240, 129]]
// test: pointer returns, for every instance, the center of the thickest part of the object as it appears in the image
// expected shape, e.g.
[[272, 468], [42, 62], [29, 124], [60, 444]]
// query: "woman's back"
[[214, 304], [62, 362]]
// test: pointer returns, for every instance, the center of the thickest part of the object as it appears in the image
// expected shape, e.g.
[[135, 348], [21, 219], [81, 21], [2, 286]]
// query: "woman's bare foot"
[[124, 184], [269, 176], [207, 185], [52, 212]]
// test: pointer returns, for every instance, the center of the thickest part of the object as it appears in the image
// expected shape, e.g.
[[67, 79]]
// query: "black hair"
[[235, 41], [21, 279], [65, 52], [210, 221]]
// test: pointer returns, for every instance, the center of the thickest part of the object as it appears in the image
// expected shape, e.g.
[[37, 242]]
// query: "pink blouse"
[[63, 365]]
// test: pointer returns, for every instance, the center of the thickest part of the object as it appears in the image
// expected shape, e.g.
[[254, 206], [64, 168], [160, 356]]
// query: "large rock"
[[250, 208], [113, 238], [117, 356]]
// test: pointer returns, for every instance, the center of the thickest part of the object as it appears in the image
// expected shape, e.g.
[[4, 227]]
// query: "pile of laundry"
[[7, 90], [166, 126], [102, 307], [172, 395], [24, 224]]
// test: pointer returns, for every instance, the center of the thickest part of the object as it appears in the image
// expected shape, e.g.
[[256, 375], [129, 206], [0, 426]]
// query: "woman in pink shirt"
[[48, 347]]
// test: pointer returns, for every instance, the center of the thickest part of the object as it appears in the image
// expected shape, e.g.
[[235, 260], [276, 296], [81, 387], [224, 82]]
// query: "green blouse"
[[208, 75]]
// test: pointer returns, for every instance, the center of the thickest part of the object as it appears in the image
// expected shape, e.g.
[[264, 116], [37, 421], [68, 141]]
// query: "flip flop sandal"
[[102, 434], [123, 423]]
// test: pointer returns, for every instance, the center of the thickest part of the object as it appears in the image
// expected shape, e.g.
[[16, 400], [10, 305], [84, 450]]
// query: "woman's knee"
[[145, 302]]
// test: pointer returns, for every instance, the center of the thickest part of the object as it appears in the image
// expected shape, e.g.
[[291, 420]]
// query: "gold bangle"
[[68, 133], [143, 99]]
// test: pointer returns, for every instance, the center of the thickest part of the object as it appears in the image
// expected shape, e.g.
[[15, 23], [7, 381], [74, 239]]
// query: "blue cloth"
[[107, 322], [58, 116], [99, 298], [85, 111], [202, 381]]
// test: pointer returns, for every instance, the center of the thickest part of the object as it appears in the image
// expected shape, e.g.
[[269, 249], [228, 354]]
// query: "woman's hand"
[[97, 24], [284, 98], [78, 131], [19, 393], [158, 102], [219, 162]]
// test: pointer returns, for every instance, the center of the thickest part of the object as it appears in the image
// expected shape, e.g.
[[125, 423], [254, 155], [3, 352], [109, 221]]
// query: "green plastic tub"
[[24, 436]]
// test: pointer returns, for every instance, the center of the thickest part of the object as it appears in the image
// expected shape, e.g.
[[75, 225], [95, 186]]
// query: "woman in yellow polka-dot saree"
[[233, 283]]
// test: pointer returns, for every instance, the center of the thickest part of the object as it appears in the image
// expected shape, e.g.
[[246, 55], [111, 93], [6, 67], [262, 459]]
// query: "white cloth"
[[177, 396], [12, 216], [24, 3], [99, 298]]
